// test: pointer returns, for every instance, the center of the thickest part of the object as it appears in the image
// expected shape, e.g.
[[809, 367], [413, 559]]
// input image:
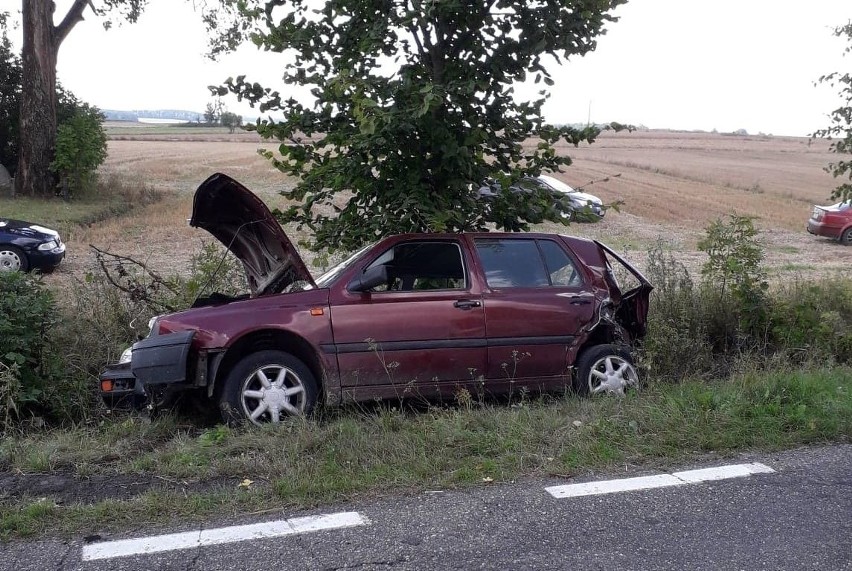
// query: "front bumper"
[[119, 388], [158, 365], [46, 260]]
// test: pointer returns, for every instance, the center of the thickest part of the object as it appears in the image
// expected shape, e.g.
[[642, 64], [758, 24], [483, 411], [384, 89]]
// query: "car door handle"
[[581, 302], [466, 304]]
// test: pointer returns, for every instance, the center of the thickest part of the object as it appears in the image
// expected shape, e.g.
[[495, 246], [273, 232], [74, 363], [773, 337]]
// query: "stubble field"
[[671, 185]]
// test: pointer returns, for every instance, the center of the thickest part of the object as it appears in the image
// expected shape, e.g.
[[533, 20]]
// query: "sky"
[[666, 64]]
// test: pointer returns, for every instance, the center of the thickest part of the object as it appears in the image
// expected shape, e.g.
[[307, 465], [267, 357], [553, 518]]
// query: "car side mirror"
[[369, 278]]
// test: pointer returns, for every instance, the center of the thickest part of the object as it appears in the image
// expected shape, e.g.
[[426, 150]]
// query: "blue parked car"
[[25, 246]]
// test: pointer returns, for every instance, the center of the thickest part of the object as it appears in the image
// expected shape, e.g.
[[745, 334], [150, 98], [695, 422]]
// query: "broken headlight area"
[[119, 389]]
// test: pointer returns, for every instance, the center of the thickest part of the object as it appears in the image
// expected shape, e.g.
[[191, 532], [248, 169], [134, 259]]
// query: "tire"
[[265, 387], [605, 369], [846, 237], [12, 259]]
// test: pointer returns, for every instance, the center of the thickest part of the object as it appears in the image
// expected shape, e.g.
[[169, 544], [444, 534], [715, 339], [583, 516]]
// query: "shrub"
[[813, 320], [33, 378], [678, 312], [81, 147], [734, 275], [733, 319]]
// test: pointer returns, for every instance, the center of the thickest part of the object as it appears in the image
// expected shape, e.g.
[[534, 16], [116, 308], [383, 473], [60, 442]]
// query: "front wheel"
[[265, 387], [605, 369], [846, 237], [12, 259]]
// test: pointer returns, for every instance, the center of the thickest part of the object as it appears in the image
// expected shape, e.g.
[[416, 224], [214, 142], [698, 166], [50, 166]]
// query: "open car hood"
[[246, 227]]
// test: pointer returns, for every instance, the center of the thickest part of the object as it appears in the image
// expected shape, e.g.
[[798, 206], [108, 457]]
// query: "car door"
[[423, 331], [536, 301]]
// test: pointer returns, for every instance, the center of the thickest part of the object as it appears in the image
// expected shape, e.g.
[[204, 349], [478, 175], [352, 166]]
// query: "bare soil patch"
[[68, 487]]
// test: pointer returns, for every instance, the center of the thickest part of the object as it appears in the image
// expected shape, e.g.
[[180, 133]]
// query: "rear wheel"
[[846, 237], [605, 369], [266, 387], [12, 259]]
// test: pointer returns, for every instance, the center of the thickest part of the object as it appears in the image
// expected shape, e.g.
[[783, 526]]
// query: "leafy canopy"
[[840, 128], [413, 108]]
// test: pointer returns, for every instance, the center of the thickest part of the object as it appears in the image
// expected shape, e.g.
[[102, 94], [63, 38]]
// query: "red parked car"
[[833, 222], [413, 314]]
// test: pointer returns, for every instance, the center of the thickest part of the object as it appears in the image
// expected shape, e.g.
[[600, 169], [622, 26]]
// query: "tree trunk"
[[38, 100], [37, 138]]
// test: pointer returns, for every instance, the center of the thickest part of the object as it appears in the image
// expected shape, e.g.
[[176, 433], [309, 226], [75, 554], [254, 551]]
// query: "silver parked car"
[[584, 207]]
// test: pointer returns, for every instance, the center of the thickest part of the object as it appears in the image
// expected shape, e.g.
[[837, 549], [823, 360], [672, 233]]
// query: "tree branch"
[[134, 288], [72, 18]]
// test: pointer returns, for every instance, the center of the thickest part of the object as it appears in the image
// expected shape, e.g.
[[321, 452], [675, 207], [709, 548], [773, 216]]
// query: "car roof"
[[475, 235]]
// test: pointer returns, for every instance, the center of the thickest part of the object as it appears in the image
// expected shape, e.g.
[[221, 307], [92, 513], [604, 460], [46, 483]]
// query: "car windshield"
[[556, 184], [329, 276]]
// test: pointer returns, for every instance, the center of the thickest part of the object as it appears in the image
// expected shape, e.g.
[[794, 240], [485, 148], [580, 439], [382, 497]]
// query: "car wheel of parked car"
[[12, 259], [605, 369], [267, 386], [846, 237]]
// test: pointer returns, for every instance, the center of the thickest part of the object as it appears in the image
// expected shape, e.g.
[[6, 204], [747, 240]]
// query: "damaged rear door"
[[537, 301]]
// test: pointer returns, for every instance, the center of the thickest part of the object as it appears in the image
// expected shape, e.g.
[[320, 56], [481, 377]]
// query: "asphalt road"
[[798, 518]]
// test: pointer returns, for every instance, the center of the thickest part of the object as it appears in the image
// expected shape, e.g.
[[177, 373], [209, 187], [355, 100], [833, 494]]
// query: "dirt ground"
[[671, 185]]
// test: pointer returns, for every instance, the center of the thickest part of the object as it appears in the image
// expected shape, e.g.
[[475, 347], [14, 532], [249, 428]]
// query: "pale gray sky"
[[679, 64]]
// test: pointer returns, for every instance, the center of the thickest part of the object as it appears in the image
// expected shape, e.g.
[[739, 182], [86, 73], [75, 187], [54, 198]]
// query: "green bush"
[[732, 319], [34, 381], [813, 320], [678, 312], [734, 276], [81, 147]]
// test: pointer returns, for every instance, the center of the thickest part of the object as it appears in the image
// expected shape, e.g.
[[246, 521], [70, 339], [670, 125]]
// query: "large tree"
[[840, 127], [42, 38], [414, 106]]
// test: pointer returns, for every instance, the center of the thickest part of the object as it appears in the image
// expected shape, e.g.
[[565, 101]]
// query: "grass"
[[363, 452]]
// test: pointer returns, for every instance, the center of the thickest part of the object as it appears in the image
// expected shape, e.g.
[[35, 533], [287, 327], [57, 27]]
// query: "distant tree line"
[[217, 114]]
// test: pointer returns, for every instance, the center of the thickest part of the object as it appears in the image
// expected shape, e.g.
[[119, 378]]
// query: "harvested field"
[[672, 185]]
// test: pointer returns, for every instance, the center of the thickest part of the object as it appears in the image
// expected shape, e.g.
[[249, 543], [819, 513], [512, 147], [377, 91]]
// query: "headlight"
[[48, 246], [126, 356]]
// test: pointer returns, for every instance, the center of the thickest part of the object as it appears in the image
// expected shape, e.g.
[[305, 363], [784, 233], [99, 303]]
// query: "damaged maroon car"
[[412, 314]]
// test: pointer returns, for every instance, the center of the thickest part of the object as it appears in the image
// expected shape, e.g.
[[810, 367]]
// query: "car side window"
[[562, 270], [512, 263], [418, 266], [526, 263]]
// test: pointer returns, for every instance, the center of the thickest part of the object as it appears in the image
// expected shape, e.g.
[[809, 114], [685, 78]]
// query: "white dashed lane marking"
[[658, 481], [206, 537], [280, 528]]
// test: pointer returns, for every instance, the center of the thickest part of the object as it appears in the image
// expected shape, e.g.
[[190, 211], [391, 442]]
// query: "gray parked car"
[[583, 207]]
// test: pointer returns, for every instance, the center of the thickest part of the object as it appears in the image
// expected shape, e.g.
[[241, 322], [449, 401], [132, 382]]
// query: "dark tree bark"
[[38, 93]]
